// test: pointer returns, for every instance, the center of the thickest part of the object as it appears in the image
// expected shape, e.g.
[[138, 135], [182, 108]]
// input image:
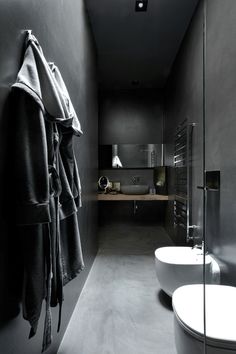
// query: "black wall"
[[221, 132], [185, 99], [130, 117], [63, 31]]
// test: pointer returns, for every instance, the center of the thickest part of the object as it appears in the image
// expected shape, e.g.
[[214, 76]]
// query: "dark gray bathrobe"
[[48, 190]]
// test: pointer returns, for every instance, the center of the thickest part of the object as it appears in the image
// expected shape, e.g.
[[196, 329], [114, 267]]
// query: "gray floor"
[[121, 309]]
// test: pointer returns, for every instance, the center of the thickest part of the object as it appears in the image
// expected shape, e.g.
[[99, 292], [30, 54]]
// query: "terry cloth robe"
[[48, 190]]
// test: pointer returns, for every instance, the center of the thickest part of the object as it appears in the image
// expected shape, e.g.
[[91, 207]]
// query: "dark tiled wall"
[[64, 33], [185, 98]]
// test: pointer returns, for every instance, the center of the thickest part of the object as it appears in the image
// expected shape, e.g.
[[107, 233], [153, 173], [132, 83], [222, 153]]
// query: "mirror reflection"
[[130, 156]]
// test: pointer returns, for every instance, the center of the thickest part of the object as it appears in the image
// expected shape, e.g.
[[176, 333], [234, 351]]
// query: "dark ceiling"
[[138, 48]]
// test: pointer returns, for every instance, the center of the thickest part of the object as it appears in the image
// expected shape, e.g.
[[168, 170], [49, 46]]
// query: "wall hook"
[[27, 31]]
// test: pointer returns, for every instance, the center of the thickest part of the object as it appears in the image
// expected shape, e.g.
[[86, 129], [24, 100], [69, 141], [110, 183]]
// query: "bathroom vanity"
[[142, 197]]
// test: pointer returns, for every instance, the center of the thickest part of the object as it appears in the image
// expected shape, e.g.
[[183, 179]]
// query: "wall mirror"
[[130, 156]]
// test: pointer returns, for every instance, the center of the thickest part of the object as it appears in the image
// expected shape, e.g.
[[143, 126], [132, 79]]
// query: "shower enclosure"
[[202, 89], [219, 156]]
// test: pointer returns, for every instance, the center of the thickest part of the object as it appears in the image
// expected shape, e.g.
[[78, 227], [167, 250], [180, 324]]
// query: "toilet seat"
[[220, 313]]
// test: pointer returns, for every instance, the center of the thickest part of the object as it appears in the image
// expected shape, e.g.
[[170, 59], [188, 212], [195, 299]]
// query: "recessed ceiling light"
[[141, 5]]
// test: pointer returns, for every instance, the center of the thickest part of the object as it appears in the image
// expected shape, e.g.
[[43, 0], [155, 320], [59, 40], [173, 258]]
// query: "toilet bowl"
[[178, 266], [188, 308]]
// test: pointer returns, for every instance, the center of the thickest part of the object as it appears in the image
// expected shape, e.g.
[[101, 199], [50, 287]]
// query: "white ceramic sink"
[[135, 189]]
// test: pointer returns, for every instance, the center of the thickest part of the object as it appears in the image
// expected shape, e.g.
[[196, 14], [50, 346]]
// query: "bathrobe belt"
[[54, 281], [54, 181]]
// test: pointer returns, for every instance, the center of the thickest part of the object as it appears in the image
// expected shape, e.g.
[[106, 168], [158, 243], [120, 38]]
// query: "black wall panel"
[[64, 33], [184, 98], [130, 117]]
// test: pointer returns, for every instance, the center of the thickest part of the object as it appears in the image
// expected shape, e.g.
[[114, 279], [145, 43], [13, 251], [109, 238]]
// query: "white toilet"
[[177, 266], [220, 319]]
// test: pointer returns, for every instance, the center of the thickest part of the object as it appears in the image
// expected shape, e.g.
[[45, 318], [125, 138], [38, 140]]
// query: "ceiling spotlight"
[[141, 5]]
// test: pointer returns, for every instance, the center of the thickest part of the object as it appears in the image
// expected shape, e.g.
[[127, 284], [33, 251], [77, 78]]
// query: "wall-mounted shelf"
[[143, 197]]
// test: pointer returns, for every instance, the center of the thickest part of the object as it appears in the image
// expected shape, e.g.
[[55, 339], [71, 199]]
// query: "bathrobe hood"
[[44, 83]]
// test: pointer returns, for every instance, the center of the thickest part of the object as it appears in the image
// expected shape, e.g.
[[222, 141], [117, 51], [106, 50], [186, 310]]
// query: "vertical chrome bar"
[[189, 177], [204, 53], [188, 183], [162, 154]]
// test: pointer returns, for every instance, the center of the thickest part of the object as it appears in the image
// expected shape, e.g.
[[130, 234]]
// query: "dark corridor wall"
[[63, 31], [185, 98], [132, 116], [221, 132]]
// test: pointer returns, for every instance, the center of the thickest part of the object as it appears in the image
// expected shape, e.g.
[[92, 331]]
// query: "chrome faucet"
[[191, 227], [197, 246], [201, 247]]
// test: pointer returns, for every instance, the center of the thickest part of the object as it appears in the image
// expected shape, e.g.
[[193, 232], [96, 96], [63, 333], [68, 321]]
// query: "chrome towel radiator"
[[183, 177]]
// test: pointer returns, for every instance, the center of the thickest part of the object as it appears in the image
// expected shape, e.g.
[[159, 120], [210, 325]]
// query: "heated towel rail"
[[183, 177]]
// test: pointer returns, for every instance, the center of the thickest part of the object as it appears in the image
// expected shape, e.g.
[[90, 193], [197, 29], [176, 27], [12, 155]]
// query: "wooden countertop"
[[181, 198], [143, 197]]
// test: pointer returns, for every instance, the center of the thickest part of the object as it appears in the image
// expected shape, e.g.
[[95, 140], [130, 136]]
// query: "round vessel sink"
[[135, 189]]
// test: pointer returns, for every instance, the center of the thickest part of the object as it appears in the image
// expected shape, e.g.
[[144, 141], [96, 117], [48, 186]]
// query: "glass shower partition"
[[220, 171]]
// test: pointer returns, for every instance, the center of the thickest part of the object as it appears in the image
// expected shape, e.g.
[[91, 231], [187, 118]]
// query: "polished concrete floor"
[[121, 309]]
